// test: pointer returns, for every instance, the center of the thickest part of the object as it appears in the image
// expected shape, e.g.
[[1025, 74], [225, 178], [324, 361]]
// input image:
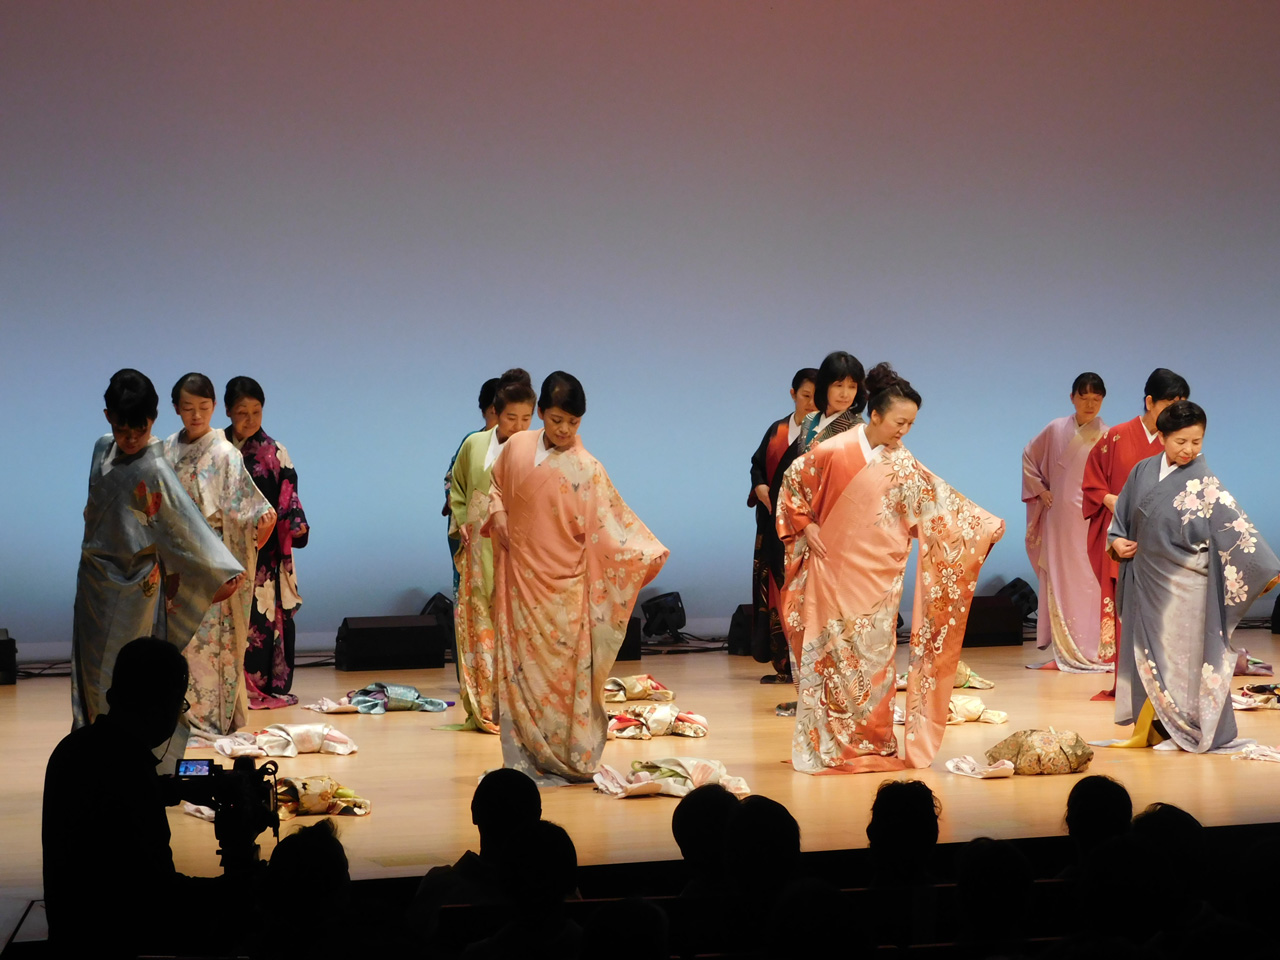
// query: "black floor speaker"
[[993, 622], [390, 643], [738, 642], [8, 658], [630, 649]]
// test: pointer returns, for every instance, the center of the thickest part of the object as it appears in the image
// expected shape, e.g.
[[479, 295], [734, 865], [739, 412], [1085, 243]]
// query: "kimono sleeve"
[[758, 473], [1121, 521], [499, 478], [458, 492], [797, 497], [1034, 481], [1096, 484]]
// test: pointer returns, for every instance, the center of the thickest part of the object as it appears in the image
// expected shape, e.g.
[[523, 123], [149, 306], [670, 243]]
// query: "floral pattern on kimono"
[[768, 641], [268, 657], [564, 588], [214, 474], [472, 613], [1200, 562], [844, 606]]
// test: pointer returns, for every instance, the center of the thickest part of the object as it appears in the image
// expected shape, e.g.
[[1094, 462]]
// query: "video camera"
[[243, 800]]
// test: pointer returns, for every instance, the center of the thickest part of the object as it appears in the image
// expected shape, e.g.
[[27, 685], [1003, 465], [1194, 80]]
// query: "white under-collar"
[[869, 453], [1167, 468], [495, 448], [824, 419], [1151, 437], [793, 428], [541, 450]]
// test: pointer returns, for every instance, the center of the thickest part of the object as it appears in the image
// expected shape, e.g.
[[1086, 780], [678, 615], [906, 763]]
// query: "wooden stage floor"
[[420, 778]]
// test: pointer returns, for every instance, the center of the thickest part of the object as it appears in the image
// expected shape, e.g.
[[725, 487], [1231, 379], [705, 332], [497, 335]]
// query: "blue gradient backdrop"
[[373, 207]]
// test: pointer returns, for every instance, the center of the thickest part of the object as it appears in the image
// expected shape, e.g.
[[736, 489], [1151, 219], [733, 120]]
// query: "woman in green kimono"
[[1190, 565], [513, 403], [144, 541]]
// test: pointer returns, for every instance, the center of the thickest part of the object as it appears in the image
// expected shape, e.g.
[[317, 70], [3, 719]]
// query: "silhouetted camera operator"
[[110, 885]]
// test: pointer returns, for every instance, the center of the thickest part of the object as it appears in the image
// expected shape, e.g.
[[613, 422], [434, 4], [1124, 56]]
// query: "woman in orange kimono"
[[569, 560], [848, 512]]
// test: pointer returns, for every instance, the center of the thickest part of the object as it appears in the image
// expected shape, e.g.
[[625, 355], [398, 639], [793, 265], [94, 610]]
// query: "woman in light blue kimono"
[[1191, 562], [144, 542]]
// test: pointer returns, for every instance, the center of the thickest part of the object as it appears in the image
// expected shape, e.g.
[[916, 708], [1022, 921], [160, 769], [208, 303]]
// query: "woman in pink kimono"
[[569, 560], [1058, 533], [848, 512], [213, 473]]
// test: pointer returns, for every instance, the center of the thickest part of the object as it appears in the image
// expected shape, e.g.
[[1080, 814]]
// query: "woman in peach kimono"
[[569, 560], [848, 512]]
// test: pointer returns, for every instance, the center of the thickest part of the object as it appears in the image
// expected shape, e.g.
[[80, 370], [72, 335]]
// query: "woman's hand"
[[1109, 501], [498, 529], [813, 537], [1046, 498], [1123, 549], [464, 535], [228, 589], [762, 495], [265, 526]]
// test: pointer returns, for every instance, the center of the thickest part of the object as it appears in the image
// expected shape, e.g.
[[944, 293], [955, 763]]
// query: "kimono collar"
[[837, 424], [229, 431], [1167, 468]]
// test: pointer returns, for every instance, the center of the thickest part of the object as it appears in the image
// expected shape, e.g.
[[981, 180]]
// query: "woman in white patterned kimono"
[[1190, 565], [213, 473]]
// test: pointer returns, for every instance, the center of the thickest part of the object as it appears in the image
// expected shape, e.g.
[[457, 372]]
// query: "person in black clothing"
[[109, 881]]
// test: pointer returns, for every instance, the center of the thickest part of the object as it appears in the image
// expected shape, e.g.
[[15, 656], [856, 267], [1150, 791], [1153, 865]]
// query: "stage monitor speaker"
[[8, 658], [1275, 618], [630, 649], [993, 622], [441, 607], [390, 643], [738, 642]]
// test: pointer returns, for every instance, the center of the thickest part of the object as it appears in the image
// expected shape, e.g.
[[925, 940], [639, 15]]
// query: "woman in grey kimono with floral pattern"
[[1190, 565]]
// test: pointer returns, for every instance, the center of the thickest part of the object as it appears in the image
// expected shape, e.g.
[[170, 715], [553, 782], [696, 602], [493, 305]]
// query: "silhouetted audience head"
[[1098, 808], [698, 824], [761, 842], [308, 860], [506, 803], [543, 868], [903, 830], [1173, 837], [148, 686]]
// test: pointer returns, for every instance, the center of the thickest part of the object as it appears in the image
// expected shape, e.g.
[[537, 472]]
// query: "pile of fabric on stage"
[[287, 740], [1028, 753], [317, 796], [379, 698], [965, 678], [643, 721], [668, 777], [963, 708]]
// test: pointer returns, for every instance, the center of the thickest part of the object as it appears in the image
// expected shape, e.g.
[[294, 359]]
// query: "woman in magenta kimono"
[[569, 560], [848, 512], [213, 473], [268, 656], [1058, 532]]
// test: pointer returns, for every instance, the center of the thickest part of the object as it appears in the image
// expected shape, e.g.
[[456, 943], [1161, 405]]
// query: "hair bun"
[[881, 377], [515, 375]]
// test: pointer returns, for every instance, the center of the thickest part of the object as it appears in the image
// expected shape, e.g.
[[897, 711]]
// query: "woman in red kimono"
[[1110, 462], [848, 511]]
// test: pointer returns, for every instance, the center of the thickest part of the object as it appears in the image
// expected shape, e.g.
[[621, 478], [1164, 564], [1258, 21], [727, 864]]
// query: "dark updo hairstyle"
[[1088, 383], [803, 376], [563, 390], [1180, 415], [196, 384], [835, 368], [241, 388], [1164, 384], [487, 391], [885, 386], [131, 399], [514, 386]]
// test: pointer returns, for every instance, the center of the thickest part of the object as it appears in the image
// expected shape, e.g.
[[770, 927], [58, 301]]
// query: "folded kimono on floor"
[[640, 687], [643, 721], [317, 796], [669, 777], [287, 740], [965, 677], [963, 708], [967, 766], [381, 698]]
